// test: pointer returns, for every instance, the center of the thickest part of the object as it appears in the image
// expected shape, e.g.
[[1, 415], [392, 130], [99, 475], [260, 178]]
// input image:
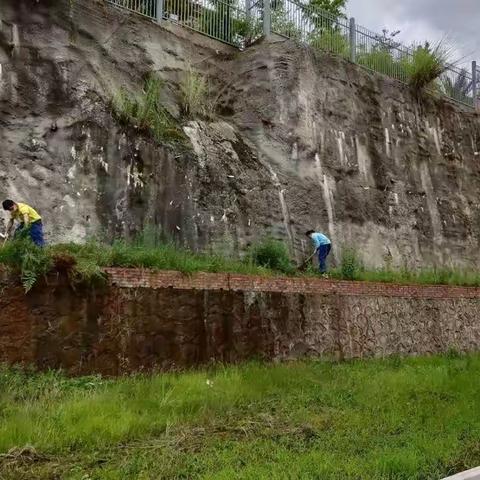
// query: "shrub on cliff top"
[[351, 265], [271, 254], [426, 65], [382, 61], [29, 260]]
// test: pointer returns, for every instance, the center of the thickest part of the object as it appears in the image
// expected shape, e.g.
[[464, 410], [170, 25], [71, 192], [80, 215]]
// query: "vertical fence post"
[[353, 40], [267, 18], [159, 10], [248, 13], [248, 20], [474, 85]]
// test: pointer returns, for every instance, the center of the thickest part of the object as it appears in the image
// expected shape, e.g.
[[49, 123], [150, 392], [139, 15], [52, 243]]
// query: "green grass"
[[161, 257], [427, 65], [382, 61], [195, 95], [145, 112], [271, 254], [352, 268], [378, 419], [85, 263], [432, 276], [330, 40]]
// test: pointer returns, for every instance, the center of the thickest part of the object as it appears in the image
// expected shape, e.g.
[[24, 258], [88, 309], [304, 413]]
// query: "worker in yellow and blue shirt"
[[322, 245], [28, 219]]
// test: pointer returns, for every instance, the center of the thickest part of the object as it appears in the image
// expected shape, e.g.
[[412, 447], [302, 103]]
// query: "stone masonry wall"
[[162, 320]]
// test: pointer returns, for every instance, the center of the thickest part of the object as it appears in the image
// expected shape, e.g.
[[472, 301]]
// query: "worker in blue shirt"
[[322, 245]]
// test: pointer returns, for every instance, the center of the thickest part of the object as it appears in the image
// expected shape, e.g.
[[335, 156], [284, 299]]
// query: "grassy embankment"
[[378, 419], [85, 262]]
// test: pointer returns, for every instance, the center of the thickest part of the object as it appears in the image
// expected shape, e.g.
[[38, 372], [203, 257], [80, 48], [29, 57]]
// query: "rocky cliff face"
[[297, 140]]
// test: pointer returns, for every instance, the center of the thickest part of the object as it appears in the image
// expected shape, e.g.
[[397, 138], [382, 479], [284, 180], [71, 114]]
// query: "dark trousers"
[[323, 251], [34, 231]]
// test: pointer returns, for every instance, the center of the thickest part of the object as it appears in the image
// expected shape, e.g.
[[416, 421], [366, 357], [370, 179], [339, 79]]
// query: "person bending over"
[[29, 222], [322, 245]]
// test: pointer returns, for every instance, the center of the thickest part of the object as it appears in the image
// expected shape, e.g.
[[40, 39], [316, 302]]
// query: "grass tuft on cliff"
[[145, 112], [400, 419], [194, 95]]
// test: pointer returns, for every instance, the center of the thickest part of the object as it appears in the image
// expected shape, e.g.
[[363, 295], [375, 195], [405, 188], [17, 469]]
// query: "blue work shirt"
[[320, 239]]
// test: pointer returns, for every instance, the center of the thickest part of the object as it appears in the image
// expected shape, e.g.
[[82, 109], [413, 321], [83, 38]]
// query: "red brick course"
[[143, 278]]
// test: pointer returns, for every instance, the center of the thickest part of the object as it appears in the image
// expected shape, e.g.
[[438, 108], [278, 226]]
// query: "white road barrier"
[[473, 474]]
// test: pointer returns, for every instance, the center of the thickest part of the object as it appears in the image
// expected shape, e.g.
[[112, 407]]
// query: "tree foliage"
[[334, 7]]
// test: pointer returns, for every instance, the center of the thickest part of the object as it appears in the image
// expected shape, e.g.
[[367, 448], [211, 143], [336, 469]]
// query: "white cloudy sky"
[[420, 20]]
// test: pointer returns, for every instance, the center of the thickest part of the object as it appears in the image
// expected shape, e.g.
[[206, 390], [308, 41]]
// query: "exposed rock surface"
[[298, 140]]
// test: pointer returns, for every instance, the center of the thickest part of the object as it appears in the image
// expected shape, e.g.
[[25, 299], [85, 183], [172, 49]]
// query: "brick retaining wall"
[[146, 320], [143, 278]]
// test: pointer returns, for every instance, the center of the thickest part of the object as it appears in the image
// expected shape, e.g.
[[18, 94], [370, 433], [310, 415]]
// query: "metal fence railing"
[[147, 8], [222, 20], [219, 19], [377, 52], [311, 26], [476, 85], [382, 54], [254, 25], [458, 84], [240, 22]]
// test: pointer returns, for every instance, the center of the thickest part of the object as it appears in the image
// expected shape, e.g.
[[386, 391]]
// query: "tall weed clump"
[[194, 93], [271, 254], [351, 266], [426, 65], [145, 111], [30, 261], [82, 262]]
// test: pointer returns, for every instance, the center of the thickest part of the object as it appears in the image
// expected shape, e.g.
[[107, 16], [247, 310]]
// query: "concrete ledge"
[[473, 474]]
